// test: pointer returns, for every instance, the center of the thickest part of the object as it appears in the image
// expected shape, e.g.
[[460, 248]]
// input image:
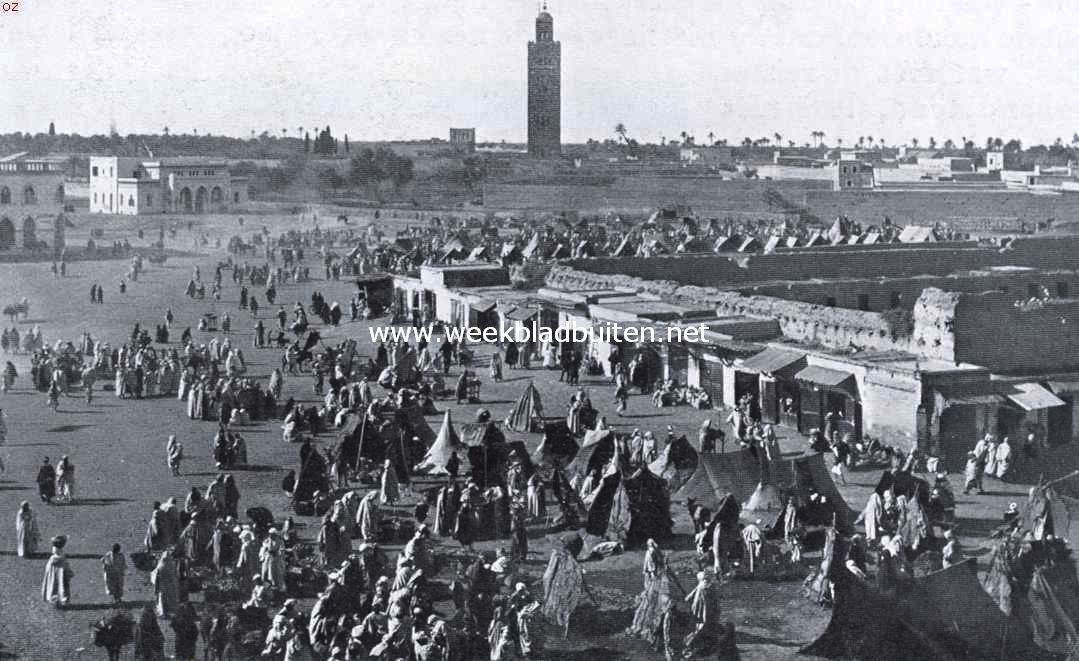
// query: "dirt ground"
[[118, 447]]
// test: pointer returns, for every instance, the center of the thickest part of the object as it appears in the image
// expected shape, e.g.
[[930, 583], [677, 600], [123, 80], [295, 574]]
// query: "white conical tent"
[[446, 443]]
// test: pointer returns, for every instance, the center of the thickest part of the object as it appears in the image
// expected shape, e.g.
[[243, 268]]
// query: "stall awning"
[[828, 378], [823, 376], [1064, 385], [483, 305], [771, 360], [970, 397], [1031, 397], [521, 314]]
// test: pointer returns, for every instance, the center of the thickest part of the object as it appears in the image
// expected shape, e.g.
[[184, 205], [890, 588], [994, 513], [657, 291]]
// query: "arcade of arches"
[[30, 241], [201, 200]]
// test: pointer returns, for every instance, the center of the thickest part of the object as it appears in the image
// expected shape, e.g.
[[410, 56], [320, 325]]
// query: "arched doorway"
[[200, 200], [5, 195], [29, 233], [217, 198], [60, 193], [29, 196], [7, 234], [185, 200]]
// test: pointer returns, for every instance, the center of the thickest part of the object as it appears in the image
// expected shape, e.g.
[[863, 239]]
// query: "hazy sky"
[[410, 69]]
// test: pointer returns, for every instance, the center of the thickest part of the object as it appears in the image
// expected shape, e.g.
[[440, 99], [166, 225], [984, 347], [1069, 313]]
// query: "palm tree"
[[284, 133], [663, 140], [620, 131], [165, 131], [712, 137], [914, 142], [299, 131], [869, 139], [685, 136], [821, 133], [861, 141], [932, 142], [779, 139]]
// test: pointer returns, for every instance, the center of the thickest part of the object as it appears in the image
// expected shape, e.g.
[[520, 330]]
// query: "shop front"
[[767, 379], [829, 401]]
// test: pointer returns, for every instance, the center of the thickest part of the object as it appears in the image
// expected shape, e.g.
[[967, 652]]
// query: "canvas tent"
[[945, 615], [736, 473], [740, 473], [676, 463], [447, 442], [596, 451], [811, 474], [557, 445], [527, 415], [630, 507]]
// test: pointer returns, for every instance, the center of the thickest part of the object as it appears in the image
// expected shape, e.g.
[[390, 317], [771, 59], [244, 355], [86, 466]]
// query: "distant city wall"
[[708, 196], [713, 197]]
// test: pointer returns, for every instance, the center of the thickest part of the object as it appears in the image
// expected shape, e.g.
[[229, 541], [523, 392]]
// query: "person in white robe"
[[166, 581], [368, 517], [56, 585], [388, 493], [1004, 458], [26, 532], [871, 517], [272, 557]]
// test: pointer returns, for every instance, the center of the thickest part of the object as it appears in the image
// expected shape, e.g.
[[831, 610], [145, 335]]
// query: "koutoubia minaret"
[[544, 90]]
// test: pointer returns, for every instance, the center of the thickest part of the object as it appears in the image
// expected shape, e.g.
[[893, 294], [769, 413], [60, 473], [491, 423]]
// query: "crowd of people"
[[393, 572]]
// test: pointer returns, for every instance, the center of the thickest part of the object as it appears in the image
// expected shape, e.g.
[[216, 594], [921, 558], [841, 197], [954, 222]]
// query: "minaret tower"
[[544, 90]]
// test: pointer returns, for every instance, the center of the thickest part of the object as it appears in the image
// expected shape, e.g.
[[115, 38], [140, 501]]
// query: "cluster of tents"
[[763, 487], [1026, 606]]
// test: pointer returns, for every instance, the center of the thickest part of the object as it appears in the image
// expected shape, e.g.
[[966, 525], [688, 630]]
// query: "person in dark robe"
[[463, 530], [185, 622], [46, 481], [149, 640]]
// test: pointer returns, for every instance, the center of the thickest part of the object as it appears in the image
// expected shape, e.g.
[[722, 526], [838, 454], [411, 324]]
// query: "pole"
[[1060, 479], [359, 450], [674, 578]]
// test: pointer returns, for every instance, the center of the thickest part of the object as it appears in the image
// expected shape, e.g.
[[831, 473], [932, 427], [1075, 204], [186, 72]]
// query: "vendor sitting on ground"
[[665, 395]]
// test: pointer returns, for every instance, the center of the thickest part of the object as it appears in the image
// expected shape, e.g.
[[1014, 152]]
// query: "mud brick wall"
[[880, 294]]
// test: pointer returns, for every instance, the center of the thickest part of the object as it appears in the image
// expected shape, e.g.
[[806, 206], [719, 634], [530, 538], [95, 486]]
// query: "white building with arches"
[[133, 186]]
